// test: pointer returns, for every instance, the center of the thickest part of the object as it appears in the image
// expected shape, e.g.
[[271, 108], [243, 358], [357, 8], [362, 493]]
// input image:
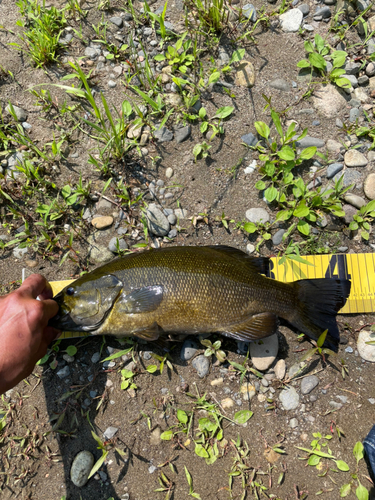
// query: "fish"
[[188, 290]]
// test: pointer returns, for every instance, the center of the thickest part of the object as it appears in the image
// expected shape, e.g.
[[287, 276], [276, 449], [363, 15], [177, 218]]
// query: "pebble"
[[354, 200], [354, 114], [202, 365], [250, 248], [308, 384], [304, 8], [352, 68], [227, 403], [92, 53], [295, 369], [217, 381], [354, 158], [349, 350], [117, 21], [328, 101], [249, 11], [289, 398], [280, 369], [280, 84], [350, 177], [169, 173], [277, 238], [245, 74], [335, 405], [369, 186], [81, 467], [371, 401], [163, 134], [155, 437], [64, 372], [110, 432], [248, 391], [370, 69], [249, 139], [20, 113], [147, 355], [291, 20], [343, 399], [257, 215], [334, 169], [263, 353], [68, 359], [152, 469], [182, 134], [366, 351], [112, 84], [181, 213], [293, 423], [308, 141], [112, 245], [19, 252], [102, 222], [156, 221]]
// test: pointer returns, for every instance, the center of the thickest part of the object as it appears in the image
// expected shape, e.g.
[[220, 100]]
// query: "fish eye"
[[70, 291]]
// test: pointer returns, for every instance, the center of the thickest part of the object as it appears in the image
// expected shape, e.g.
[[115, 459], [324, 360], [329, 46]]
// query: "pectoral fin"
[[141, 300], [149, 334], [257, 327]]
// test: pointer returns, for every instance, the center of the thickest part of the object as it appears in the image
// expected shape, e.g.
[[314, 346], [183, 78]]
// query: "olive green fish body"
[[184, 290]]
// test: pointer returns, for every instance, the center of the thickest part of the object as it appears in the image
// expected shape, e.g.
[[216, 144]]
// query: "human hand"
[[24, 334]]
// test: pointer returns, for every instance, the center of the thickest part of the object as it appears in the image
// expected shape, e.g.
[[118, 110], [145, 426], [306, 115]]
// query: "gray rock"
[[349, 213], [366, 351], [20, 113], [352, 79], [181, 213], [352, 68], [354, 114], [26, 125], [81, 467], [354, 200], [350, 177], [296, 368], [242, 346], [95, 358], [330, 2], [371, 46], [293, 423], [147, 355], [343, 399], [329, 101], [308, 141], [249, 139], [112, 84], [291, 20], [369, 186], [277, 238], [363, 80], [68, 359], [172, 219], [334, 169], [201, 365], [335, 405], [163, 135], [263, 352], [289, 398], [339, 123], [249, 11], [304, 8], [116, 20], [280, 84], [309, 383], [314, 183], [157, 222], [172, 233], [112, 245], [324, 12], [354, 158], [110, 432], [64, 372], [20, 253], [182, 134], [92, 53], [257, 215], [100, 253], [188, 350], [15, 159], [370, 69]]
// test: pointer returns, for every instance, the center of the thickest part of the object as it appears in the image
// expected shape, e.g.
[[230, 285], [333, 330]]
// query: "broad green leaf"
[[237, 56], [341, 465], [200, 451], [370, 206], [336, 73], [224, 112], [166, 435], [322, 339], [345, 490], [214, 77], [303, 227], [277, 122], [313, 460], [286, 153], [343, 83], [98, 464], [203, 127], [242, 416], [270, 193], [319, 42], [43, 360], [308, 153], [202, 113], [127, 373], [182, 416], [260, 185], [365, 235], [159, 57], [353, 226], [309, 47], [284, 215], [301, 210], [338, 58], [303, 63], [262, 129], [71, 350], [117, 354], [250, 227], [362, 493], [317, 61], [151, 368], [205, 424]]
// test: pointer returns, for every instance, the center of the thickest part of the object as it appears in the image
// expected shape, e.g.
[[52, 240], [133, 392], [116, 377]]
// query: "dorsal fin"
[[257, 264]]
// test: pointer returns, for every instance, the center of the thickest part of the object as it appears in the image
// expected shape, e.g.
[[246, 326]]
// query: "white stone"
[[365, 350], [291, 20], [328, 101], [263, 352]]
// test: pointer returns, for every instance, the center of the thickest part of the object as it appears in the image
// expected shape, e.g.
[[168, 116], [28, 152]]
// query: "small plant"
[[106, 447], [319, 349], [190, 483], [362, 220], [214, 350], [201, 150], [178, 56], [214, 122], [315, 454]]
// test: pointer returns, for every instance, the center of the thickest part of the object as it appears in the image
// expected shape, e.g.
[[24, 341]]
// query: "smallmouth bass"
[[193, 290]]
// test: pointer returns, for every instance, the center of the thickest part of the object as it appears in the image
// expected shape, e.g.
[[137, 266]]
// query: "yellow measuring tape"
[[359, 268]]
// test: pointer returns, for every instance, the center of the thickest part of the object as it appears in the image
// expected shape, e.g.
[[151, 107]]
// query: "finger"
[[50, 334], [50, 309], [47, 293], [33, 286]]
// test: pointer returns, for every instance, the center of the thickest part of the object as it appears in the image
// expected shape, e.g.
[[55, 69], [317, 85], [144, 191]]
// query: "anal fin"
[[256, 327]]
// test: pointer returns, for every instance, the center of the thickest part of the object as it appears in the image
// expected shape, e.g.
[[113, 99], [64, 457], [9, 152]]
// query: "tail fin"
[[319, 300]]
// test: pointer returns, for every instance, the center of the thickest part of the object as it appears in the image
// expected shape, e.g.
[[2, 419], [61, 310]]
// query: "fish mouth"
[[64, 321]]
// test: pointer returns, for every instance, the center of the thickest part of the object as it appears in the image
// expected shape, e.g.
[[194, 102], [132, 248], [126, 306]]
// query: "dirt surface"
[[50, 419]]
